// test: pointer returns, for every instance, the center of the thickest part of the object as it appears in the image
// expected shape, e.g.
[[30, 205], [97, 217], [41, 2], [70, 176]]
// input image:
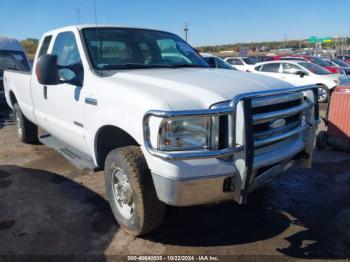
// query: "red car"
[[315, 60]]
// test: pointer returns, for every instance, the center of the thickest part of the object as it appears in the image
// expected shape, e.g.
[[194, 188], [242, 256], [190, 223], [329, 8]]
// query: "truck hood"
[[193, 88]]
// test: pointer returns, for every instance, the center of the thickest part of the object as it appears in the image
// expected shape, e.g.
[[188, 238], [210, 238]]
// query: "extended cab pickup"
[[166, 128]]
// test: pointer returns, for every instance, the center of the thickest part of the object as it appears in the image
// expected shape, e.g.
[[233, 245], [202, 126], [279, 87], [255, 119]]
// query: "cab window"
[[66, 49]]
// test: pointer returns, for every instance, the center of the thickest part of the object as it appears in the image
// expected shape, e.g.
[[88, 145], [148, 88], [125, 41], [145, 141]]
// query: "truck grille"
[[277, 120]]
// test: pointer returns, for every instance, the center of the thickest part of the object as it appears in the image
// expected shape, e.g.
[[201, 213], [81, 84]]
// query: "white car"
[[166, 128], [301, 73], [241, 63]]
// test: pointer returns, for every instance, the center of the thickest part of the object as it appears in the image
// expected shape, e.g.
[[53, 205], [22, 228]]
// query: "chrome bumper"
[[191, 192], [209, 190]]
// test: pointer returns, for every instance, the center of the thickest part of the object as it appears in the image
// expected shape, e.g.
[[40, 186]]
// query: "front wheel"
[[131, 193], [323, 94]]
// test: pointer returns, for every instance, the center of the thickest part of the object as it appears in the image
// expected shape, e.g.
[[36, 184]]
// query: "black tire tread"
[[153, 210], [30, 130]]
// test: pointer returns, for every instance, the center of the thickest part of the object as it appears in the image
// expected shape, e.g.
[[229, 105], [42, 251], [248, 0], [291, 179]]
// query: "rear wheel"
[[131, 191], [323, 94], [27, 132]]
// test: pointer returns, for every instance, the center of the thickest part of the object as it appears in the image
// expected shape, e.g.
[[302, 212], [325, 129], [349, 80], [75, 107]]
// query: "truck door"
[[62, 105]]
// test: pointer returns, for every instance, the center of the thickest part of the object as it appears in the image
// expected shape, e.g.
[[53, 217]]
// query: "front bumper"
[[210, 189]]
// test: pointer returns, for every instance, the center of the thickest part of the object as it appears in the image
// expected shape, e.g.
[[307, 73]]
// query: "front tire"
[[323, 94], [131, 193], [27, 132]]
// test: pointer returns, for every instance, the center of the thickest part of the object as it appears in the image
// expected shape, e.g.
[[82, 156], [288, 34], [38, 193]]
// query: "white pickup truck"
[[166, 128]]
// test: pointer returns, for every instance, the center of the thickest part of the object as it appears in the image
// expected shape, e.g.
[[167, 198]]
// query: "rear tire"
[[131, 193], [27, 132], [323, 94]]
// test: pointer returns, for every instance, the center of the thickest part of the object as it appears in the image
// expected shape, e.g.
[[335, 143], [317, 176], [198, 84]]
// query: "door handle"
[[45, 92]]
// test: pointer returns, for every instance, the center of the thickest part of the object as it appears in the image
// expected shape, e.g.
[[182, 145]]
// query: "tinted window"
[[222, 64], [66, 49], [233, 61], [316, 69], [249, 61], [45, 45], [125, 48], [340, 62], [291, 69], [272, 68], [318, 61], [14, 60]]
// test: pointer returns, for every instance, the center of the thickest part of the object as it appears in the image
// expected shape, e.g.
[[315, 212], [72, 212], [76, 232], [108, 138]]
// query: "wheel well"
[[109, 138], [13, 98]]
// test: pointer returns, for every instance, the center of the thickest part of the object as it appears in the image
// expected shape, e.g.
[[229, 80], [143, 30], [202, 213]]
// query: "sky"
[[210, 22]]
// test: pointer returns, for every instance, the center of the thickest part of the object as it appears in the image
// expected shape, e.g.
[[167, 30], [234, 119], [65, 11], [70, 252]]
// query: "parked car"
[[344, 67], [301, 73], [316, 60], [241, 63], [165, 127], [216, 62], [345, 58], [12, 56]]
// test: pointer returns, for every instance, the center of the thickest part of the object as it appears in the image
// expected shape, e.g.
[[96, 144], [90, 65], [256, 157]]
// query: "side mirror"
[[72, 74], [300, 73], [211, 62], [47, 70]]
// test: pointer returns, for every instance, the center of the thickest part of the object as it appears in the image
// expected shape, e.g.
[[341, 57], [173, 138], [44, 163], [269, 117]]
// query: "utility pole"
[[186, 30], [285, 41]]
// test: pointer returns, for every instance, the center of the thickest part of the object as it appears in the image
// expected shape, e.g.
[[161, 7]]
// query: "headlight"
[[185, 133]]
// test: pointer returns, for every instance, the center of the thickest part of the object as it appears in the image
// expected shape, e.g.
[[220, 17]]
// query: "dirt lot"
[[47, 207]]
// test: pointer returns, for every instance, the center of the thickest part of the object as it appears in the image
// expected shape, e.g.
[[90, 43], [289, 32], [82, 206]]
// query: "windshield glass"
[[316, 69], [14, 60], [318, 61], [249, 61], [127, 48], [340, 63]]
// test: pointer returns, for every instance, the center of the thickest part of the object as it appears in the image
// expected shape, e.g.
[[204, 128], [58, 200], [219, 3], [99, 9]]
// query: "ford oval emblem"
[[277, 123]]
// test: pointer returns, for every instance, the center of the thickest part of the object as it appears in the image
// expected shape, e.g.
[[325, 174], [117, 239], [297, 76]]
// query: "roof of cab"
[[10, 44], [83, 26]]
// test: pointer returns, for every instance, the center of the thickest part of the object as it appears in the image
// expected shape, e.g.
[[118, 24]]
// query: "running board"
[[76, 158]]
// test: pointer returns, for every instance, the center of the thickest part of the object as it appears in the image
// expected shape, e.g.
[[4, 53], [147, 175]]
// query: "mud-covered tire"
[[321, 140], [148, 211], [323, 94], [27, 132]]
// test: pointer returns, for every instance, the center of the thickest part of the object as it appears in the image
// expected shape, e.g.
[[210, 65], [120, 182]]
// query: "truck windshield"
[[14, 60], [127, 48]]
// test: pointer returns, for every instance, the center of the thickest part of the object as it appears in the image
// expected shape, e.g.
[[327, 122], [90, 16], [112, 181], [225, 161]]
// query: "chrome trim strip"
[[230, 111], [258, 143], [267, 117], [276, 130]]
